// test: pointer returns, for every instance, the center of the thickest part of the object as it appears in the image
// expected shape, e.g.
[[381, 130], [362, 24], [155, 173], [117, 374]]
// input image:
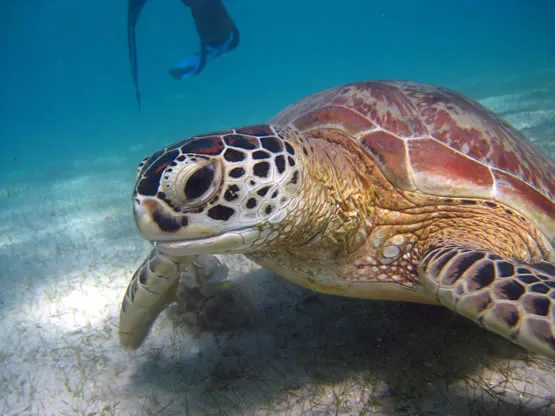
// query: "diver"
[[217, 33]]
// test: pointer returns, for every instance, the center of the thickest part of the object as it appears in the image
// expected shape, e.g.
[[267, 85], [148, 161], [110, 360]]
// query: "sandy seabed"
[[68, 248]]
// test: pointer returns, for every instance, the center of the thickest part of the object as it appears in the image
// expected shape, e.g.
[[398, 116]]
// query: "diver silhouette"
[[217, 33]]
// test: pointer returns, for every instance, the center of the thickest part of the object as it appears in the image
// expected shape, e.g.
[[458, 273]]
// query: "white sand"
[[68, 248]]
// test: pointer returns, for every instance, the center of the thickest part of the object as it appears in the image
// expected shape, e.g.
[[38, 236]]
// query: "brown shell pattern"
[[436, 141]]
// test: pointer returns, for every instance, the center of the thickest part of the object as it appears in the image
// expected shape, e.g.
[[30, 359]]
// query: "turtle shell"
[[435, 141]]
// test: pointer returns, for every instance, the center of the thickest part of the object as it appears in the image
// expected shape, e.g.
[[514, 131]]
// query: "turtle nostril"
[[145, 208], [139, 208]]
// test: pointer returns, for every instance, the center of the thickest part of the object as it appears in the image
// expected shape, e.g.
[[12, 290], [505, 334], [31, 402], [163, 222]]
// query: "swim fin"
[[217, 32]]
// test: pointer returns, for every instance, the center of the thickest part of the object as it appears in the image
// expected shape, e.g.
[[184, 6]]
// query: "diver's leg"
[[134, 8], [217, 32]]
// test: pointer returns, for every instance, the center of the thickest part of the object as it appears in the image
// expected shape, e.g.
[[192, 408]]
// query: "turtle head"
[[226, 192]]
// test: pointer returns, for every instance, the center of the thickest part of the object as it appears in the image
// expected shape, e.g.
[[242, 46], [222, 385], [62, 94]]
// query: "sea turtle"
[[378, 189]]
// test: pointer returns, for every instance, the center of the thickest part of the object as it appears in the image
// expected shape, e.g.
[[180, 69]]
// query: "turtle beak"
[[155, 221], [175, 236], [159, 224]]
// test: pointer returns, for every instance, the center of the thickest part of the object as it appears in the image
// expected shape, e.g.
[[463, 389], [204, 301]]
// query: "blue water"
[[67, 93], [71, 136]]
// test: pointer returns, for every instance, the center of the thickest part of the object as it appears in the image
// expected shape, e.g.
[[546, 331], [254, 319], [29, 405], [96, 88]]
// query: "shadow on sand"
[[317, 354]]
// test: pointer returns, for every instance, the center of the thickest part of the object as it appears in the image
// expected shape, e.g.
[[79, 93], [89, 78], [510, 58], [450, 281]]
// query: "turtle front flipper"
[[150, 291], [154, 287], [516, 301]]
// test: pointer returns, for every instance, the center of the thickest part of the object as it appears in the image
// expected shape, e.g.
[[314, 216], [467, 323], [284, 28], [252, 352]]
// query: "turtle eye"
[[201, 185]]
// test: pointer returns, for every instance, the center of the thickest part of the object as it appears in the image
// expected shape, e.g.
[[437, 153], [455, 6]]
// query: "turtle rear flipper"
[[516, 301]]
